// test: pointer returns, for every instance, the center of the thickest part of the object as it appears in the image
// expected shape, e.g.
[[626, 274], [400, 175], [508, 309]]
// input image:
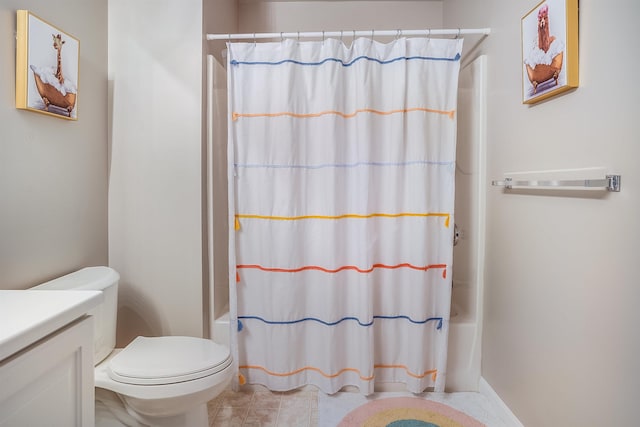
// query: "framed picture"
[[47, 62], [549, 50]]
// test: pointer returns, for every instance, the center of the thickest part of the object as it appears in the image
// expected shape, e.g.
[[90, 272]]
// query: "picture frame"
[[47, 67], [549, 34]]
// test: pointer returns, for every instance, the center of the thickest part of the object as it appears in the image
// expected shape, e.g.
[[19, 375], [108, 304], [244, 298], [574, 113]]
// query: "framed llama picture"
[[549, 50], [47, 68]]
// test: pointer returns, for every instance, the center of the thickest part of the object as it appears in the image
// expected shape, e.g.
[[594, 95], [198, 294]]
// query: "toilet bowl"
[[153, 381]]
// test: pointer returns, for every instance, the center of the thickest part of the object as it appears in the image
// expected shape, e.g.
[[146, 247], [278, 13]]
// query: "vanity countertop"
[[29, 315]]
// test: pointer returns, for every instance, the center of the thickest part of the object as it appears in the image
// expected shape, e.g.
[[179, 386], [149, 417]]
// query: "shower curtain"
[[341, 196]]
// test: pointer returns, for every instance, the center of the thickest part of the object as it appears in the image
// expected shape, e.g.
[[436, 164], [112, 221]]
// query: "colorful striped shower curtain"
[[341, 205]]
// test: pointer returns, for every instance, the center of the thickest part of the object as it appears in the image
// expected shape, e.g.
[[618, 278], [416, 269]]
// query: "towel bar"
[[609, 183]]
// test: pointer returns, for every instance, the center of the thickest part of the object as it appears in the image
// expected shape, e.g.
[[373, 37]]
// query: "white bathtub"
[[220, 332], [463, 360]]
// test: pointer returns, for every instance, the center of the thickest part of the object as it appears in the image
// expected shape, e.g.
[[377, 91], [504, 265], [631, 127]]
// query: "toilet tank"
[[103, 279]]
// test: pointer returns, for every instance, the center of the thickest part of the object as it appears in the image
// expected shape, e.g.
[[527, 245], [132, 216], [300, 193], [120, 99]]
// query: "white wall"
[[277, 16], [560, 345], [155, 185], [53, 172]]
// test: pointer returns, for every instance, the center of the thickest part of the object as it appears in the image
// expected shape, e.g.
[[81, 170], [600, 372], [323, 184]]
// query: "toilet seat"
[[167, 360], [187, 390]]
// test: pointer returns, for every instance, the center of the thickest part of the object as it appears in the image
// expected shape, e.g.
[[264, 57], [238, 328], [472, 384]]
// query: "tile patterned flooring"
[[259, 407], [256, 406]]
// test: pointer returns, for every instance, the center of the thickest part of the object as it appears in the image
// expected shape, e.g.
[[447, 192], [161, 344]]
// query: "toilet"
[[153, 381]]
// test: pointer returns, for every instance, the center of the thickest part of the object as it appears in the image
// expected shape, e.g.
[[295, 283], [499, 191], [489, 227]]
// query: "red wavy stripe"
[[346, 267]]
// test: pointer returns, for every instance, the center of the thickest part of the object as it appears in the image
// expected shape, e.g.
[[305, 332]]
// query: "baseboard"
[[503, 411]]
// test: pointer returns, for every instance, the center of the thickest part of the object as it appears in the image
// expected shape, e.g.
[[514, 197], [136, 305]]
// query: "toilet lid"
[[167, 360]]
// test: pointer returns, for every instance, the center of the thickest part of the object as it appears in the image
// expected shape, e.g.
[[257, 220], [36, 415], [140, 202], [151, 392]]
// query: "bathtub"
[[463, 357], [220, 332]]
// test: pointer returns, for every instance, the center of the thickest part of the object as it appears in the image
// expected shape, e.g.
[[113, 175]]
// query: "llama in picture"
[[544, 47]]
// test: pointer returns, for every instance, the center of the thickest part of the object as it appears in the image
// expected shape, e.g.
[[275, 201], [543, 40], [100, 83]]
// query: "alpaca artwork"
[[46, 68], [549, 50]]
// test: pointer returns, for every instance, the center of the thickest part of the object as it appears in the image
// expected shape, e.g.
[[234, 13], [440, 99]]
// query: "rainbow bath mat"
[[407, 412]]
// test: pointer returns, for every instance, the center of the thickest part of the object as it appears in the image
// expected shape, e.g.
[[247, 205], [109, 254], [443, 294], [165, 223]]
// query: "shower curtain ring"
[[254, 40], [398, 33], [341, 41], [298, 36], [323, 37], [458, 35]]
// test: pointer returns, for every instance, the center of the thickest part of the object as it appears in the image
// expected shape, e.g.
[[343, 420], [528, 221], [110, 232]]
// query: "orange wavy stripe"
[[308, 368], [432, 372], [450, 113]]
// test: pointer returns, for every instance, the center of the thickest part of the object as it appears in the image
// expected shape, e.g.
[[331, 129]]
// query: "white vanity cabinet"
[[46, 358]]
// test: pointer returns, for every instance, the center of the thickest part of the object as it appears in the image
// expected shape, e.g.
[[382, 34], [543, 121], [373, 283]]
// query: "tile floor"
[[259, 407], [256, 406]]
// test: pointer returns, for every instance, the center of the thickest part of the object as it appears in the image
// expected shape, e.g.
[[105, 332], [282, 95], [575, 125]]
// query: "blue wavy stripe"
[[340, 165], [347, 64], [314, 319]]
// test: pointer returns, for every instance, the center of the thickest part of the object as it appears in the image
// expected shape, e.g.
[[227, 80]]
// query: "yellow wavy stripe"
[[450, 113], [358, 216]]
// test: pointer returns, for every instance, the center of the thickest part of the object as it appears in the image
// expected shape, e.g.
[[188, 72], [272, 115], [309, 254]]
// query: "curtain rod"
[[352, 33]]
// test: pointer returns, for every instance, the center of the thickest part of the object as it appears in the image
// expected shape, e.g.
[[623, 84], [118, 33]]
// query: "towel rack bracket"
[[614, 183]]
